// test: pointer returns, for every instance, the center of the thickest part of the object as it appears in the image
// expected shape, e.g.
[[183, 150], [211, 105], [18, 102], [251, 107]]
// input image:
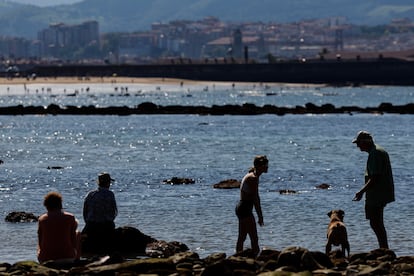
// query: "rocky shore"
[[137, 254], [289, 261], [245, 109]]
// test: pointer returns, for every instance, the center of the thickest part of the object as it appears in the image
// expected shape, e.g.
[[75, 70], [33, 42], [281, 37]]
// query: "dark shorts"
[[98, 237], [244, 209], [373, 211]]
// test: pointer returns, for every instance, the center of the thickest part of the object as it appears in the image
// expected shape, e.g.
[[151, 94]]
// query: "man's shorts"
[[374, 211]]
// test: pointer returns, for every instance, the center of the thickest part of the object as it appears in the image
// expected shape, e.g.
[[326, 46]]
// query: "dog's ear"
[[329, 213], [342, 213]]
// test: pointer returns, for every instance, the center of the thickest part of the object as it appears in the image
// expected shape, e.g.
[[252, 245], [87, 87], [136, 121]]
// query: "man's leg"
[[254, 239], [242, 235], [377, 224]]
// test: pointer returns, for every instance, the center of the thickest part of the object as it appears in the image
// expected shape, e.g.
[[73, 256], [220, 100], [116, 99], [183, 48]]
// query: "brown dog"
[[337, 234]]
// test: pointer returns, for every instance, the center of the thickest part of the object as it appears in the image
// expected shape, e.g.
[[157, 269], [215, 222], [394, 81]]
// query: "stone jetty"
[[228, 109]]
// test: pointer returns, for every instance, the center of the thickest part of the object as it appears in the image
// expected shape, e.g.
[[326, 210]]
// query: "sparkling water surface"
[[141, 151]]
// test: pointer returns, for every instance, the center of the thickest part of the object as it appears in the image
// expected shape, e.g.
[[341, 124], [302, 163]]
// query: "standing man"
[[249, 198], [99, 212], [379, 185]]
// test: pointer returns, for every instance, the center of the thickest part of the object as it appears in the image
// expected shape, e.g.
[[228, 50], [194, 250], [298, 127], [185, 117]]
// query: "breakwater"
[[245, 109], [381, 71]]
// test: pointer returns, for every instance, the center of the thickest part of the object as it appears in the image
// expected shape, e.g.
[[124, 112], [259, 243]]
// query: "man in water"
[[378, 187], [249, 197]]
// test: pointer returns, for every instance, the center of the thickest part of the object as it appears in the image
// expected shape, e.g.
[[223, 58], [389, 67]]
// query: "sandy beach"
[[68, 80]]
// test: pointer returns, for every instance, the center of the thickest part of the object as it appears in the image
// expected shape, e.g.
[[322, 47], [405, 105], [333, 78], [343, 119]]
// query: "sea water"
[[141, 151]]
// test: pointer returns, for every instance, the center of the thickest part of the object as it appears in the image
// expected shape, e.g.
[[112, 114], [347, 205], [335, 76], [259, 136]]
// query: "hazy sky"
[[43, 3]]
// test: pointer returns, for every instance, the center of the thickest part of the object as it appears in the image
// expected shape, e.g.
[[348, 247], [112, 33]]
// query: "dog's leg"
[[347, 247], [328, 248]]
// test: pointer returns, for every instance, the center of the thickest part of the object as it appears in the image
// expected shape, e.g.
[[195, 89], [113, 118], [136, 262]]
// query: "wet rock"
[[127, 242], [31, 268], [287, 192], [130, 240], [299, 258], [245, 109], [323, 186], [163, 249], [21, 217], [179, 180], [290, 261], [227, 184], [381, 254], [147, 107], [55, 168], [156, 266], [215, 257], [4, 267]]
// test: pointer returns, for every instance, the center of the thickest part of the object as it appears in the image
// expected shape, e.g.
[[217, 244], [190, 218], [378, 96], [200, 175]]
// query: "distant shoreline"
[[65, 80]]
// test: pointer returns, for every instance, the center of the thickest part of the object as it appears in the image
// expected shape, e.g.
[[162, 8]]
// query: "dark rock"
[[215, 257], [147, 107], [4, 267], [290, 261], [31, 268], [245, 109], [157, 266], [185, 257], [227, 184], [126, 242], [298, 257], [242, 264], [247, 253], [323, 186], [287, 192], [322, 259], [268, 254], [380, 269], [382, 255], [179, 180], [129, 240], [55, 168], [404, 264], [217, 268], [21, 217], [163, 249]]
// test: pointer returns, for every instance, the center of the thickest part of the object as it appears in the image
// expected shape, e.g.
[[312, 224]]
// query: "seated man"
[[57, 236], [99, 212]]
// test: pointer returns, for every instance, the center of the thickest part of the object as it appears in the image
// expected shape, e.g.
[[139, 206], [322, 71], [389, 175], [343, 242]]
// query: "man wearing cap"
[[379, 185], [99, 212]]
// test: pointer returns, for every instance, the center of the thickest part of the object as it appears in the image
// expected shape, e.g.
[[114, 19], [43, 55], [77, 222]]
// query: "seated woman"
[[57, 235]]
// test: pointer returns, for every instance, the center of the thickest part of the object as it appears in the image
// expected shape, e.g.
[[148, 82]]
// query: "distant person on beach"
[[57, 235], [378, 187], [249, 198], [99, 212]]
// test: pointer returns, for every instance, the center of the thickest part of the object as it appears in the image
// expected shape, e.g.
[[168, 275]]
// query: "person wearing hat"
[[249, 198], [378, 187], [99, 212]]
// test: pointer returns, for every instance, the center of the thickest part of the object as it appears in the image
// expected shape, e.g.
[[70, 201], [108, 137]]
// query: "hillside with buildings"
[[210, 40], [131, 15], [205, 39]]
